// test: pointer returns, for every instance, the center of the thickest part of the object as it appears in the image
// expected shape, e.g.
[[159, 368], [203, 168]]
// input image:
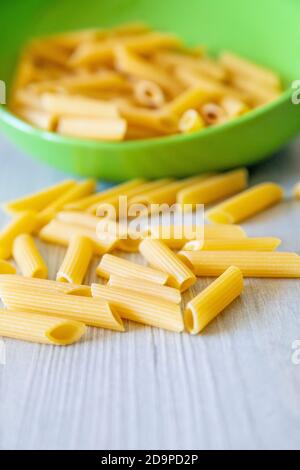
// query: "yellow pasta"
[[297, 191], [213, 114], [79, 218], [60, 233], [239, 66], [176, 236], [93, 128], [251, 263], [257, 93], [6, 268], [148, 93], [161, 257], [25, 222], [112, 265], [132, 64], [88, 201], [189, 99], [234, 107], [246, 204], [78, 106], [76, 261], [28, 257], [45, 285], [204, 308], [39, 328], [191, 121], [214, 188], [39, 200], [88, 310], [242, 244], [38, 118], [145, 288], [142, 308]]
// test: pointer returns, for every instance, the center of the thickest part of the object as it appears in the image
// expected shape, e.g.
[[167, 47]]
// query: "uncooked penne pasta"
[[148, 93], [214, 188], [240, 66], [176, 236], [251, 263], [79, 191], [79, 218], [297, 191], [142, 308], [213, 114], [203, 308], [106, 129], [76, 261], [134, 65], [28, 257], [191, 121], [45, 285], [88, 201], [25, 222], [189, 99], [60, 233], [6, 268], [40, 328], [39, 200], [246, 204], [78, 106], [161, 257], [257, 93], [90, 311], [38, 118], [112, 265], [234, 107], [145, 288], [242, 244]]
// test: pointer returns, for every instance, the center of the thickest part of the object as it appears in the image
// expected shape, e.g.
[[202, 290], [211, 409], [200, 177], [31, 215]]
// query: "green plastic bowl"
[[265, 31]]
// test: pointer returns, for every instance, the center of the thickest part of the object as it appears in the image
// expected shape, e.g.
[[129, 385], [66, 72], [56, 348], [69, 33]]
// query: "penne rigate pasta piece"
[[188, 99], [191, 121], [38, 118], [83, 219], [132, 64], [39, 200], [142, 308], [28, 257], [201, 64], [40, 328], [167, 193], [60, 233], [176, 236], [107, 129], [159, 120], [242, 244], [48, 52], [257, 93], [297, 191], [87, 81], [246, 204], [252, 264], [6, 268], [240, 66], [88, 310], [78, 106], [77, 192], [207, 305], [214, 188], [137, 191], [161, 257], [112, 265], [145, 288], [148, 93], [45, 285], [213, 114], [234, 107], [76, 261], [24, 222], [118, 190]]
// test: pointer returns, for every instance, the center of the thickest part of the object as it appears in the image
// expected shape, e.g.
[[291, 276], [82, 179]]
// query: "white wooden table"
[[234, 387]]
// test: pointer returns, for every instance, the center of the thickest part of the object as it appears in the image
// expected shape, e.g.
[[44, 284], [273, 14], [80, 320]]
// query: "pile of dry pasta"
[[131, 83], [57, 311]]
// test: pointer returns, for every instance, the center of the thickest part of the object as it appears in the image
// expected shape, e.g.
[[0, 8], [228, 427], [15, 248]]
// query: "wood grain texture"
[[235, 387]]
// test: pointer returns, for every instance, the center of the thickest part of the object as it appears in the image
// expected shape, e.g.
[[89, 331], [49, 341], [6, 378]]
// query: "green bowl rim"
[[12, 120]]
